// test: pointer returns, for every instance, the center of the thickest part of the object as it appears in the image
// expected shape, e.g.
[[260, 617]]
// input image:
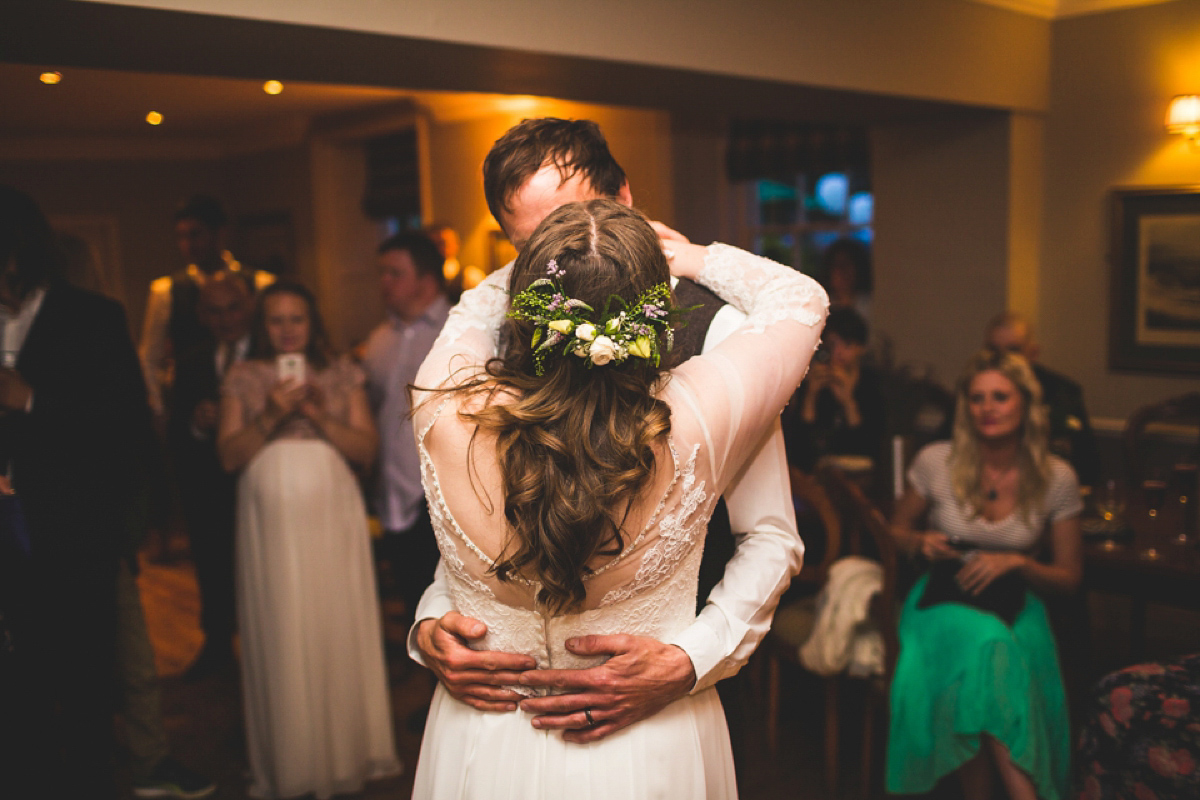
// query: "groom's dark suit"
[[78, 461]]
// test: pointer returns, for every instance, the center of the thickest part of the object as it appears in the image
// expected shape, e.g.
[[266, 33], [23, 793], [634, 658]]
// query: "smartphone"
[[290, 367]]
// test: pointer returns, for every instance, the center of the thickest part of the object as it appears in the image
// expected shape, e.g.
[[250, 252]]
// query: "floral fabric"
[[1142, 740]]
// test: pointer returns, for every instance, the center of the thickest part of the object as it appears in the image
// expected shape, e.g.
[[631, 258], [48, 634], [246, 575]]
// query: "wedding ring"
[[587, 712]]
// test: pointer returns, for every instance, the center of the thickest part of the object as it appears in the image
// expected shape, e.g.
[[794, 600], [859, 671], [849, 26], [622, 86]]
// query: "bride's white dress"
[[721, 404]]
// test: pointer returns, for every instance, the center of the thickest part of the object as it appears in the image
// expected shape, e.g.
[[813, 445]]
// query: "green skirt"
[[961, 673]]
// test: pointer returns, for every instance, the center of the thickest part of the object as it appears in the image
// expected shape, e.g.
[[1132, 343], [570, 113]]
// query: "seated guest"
[[1071, 434], [846, 267], [839, 409], [1142, 734], [977, 686]]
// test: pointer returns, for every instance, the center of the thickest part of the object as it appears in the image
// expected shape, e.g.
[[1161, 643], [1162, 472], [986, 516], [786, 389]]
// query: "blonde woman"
[[977, 688]]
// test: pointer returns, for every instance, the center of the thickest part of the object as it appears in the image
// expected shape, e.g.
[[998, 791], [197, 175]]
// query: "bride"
[[570, 483]]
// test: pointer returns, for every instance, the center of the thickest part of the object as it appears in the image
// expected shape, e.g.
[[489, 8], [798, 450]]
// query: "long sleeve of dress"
[[738, 389]]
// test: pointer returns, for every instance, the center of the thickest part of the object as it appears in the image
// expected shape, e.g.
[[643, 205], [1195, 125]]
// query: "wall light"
[[50, 78], [272, 87], [154, 118], [1183, 116]]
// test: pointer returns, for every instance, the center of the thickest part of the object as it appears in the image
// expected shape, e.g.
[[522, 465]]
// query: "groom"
[[537, 166]]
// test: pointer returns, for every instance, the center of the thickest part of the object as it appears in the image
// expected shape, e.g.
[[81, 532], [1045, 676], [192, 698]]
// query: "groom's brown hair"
[[572, 145]]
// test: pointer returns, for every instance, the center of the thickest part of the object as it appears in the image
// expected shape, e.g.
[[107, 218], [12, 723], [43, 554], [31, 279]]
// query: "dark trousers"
[[56, 719], [412, 555], [209, 515]]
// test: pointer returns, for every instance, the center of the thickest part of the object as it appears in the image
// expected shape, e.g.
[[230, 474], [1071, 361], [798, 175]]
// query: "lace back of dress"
[[650, 589]]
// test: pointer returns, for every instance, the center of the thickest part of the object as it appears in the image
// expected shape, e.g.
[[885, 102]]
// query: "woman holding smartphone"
[[294, 420]]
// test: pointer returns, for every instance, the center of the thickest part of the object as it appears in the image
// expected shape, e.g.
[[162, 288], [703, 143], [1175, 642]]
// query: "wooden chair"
[[866, 533], [794, 618], [1182, 409], [851, 519]]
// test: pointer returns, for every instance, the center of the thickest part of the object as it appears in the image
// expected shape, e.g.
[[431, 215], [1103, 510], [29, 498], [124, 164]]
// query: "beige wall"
[[941, 238], [1112, 77], [640, 141], [936, 49]]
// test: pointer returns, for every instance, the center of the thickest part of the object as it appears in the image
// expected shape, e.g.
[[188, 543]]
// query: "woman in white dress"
[[570, 484], [314, 681]]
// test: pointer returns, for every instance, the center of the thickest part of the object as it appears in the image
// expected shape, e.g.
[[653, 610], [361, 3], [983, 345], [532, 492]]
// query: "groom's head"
[[541, 164]]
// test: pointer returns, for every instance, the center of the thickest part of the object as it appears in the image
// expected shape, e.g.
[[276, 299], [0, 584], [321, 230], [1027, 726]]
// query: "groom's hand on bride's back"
[[641, 677], [476, 677]]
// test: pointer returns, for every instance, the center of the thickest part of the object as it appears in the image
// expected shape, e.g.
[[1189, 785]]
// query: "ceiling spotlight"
[[50, 78], [272, 87], [154, 118]]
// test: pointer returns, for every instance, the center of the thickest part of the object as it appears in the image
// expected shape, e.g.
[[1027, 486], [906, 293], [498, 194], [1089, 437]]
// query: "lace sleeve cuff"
[[765, 291], [480, 309]]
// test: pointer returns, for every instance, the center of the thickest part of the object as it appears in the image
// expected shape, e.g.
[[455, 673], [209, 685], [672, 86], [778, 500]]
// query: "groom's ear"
[[624, 196]]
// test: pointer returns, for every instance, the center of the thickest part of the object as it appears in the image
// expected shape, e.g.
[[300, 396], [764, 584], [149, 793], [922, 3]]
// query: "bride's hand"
[[476, 677], [684, 258], [641, 677]]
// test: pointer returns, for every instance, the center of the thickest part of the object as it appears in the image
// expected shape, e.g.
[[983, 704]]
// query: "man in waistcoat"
[[537, 166], [206, 491], [172, 326]]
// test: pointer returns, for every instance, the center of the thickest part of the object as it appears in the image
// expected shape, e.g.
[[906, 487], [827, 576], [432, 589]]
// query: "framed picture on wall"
[[1155, 303]]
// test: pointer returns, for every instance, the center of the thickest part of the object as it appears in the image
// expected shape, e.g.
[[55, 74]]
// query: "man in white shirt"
[[413, 287], [533, 169]]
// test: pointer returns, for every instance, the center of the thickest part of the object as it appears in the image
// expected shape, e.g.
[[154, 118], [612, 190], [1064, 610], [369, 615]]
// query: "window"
[[794, 223]]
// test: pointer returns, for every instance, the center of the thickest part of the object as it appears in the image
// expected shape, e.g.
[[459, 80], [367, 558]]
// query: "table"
[[1149, 566]]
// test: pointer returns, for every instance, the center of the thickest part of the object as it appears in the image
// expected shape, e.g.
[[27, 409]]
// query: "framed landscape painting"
[[1155, 304]]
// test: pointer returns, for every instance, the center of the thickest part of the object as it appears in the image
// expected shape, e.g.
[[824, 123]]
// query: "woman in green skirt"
[[977, 688]]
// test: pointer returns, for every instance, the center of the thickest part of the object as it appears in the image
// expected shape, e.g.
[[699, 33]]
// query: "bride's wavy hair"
[[576, 445]]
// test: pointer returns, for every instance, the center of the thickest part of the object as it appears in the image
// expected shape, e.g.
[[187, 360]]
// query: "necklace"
[[992, 492]]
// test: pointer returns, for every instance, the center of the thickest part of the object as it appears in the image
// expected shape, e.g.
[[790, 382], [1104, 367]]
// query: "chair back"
[[866, 534], [1139, 455], [815, 510]]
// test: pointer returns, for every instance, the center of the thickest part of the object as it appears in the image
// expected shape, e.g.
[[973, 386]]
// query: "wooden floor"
[[204, 720]]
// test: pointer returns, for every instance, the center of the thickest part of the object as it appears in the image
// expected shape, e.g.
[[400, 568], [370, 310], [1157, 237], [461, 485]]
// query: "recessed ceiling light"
[[154, 118], [50, 78], [272, 87]]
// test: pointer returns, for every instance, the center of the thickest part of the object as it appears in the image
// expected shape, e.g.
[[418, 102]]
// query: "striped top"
[[929, 475]]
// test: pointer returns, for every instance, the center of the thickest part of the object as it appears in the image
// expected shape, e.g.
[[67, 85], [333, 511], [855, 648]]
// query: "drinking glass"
[[1184, 476], [1155, 493], [1110, 503]]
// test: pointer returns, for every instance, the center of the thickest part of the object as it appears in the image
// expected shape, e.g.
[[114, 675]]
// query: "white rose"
[[563, 326], [603, 350], [586, 331]]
